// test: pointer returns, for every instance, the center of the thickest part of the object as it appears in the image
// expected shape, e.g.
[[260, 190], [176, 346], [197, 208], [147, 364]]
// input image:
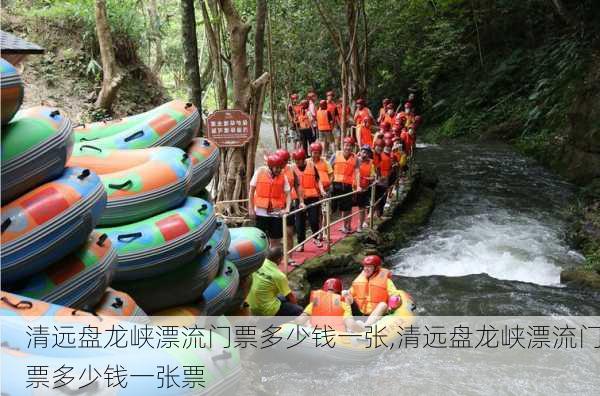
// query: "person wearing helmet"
[[327, 309], [297, 195], [382, 110], [371, 290], [270, 293], [408, 114], [269, 198], [325, 124], [344, 174], [311, 96], [305, 130], [365, 176], [308, 176], [325, 171], [362, 112], [383, 165], [335, 113], [364, 134]]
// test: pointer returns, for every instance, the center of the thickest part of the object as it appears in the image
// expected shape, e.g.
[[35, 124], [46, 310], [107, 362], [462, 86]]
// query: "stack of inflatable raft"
[[107, 217]]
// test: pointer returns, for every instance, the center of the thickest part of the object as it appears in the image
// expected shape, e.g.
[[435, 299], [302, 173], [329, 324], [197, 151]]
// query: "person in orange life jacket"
[[325, 171], [332, 108], [394, 171], [269, 197], [327, 309], [409, 114], [382, 110], [383, 166], [371, 290], [413, 139], [297, 194], [344, 174], [293, 110], [365, 176], [406, 142], [325, 124], [306, 133], [389, 116], [400, 120], [313, 190], [362, 112], [364, 134]]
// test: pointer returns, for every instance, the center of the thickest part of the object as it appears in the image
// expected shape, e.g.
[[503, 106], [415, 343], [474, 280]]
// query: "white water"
[[506, 248], [495, 214]]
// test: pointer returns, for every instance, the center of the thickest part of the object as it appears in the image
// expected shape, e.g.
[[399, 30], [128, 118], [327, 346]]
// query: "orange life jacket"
[[361, 115], [365, 173], [307, 179], [368, 293], [297, 108], [327, 310], [376, 159], [343, 169], [323, 174], [289, 175], [332, 109], [366, 137], [388, 119], [323, 121], [303, 120], [386, 165], [269, 193]]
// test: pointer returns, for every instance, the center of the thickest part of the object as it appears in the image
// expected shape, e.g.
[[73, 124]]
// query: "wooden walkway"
[[311, 250]]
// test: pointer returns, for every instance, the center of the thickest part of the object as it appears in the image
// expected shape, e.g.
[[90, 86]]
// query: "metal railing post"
[[371, 207], [328, 224], [285, 244]]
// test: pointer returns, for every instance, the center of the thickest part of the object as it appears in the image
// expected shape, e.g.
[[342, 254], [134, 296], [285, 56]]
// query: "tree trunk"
[[214, 49], [156, 37], [190, 53], [355, 75], [112, 77], [237, 165]]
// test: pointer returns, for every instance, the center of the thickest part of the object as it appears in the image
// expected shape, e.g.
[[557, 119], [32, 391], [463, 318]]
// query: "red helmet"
[[349, 140], [294, 96], [299, 154], [274, 160], [316, 146], [372, 260], [408, 104], [361, 101], [284, 154], [323, 104], [386, 101], [379, 142], [304, 104], [334, 284], [330, 93]]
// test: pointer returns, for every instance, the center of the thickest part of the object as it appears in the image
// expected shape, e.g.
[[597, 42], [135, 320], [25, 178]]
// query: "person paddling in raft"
[[372, 290], [328, 309]]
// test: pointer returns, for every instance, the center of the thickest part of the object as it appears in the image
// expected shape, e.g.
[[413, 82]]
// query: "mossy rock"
[[581, 278]]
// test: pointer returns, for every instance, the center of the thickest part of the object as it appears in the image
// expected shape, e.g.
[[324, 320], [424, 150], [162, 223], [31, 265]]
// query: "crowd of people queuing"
[[325, 162], [373, 154]]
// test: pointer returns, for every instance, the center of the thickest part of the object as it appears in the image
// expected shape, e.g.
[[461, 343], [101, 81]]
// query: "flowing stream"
[[495, 243]]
